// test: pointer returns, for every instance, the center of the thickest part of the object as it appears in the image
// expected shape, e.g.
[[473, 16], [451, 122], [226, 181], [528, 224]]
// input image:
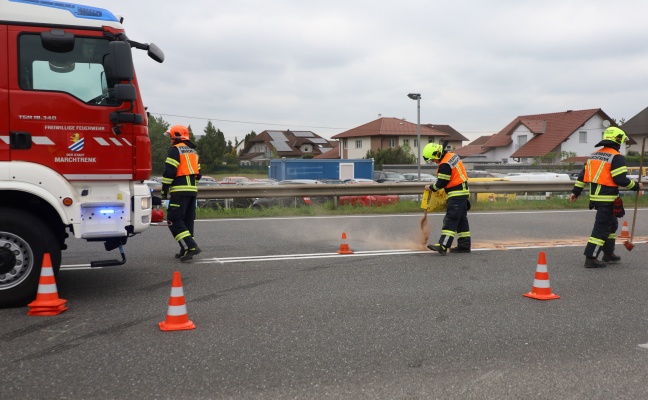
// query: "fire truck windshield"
[[82, 72]]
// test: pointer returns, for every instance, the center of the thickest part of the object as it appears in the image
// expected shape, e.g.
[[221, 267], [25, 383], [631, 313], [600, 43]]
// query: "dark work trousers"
[[604, 232], [455, 222], [182, 213]]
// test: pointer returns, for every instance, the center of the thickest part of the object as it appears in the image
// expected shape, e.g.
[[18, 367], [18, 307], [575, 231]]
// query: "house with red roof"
[[637, 129], [289, 144], [531, 136], [393, 132]]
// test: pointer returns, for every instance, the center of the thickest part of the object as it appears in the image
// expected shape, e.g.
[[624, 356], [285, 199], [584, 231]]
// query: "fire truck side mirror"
[[122, 61], [125, 92], [155, 53]]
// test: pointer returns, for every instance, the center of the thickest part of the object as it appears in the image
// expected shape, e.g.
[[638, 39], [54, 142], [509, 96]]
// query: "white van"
[[537, 176]]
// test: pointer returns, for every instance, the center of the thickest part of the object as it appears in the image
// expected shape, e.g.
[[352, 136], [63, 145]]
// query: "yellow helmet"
[[614, 135], [178, 132], [432, 151]]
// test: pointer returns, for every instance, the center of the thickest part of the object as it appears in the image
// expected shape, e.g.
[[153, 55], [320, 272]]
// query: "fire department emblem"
[[77, 142]]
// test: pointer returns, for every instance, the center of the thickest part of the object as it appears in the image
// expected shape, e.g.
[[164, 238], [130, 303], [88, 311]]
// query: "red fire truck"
[[74, 145]]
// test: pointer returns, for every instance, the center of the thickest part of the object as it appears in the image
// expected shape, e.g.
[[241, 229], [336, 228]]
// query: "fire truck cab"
[[74, 145]]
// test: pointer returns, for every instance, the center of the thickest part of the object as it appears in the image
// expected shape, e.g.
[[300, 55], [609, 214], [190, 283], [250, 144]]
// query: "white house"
[[530, 136]]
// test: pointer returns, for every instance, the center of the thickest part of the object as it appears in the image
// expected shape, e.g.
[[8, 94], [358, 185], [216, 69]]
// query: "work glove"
[[164, 194], [617, 208]]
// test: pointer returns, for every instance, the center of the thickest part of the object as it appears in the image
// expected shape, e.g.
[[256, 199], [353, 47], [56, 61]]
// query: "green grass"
[[405, 207]]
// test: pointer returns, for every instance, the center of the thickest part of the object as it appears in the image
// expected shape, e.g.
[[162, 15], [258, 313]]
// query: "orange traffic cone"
[[541, 289], [344, 247], [624, 230], [47, 301], [177, 318]]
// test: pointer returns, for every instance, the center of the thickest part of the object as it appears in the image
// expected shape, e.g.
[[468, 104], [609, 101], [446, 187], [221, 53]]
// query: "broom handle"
[[634, 215]]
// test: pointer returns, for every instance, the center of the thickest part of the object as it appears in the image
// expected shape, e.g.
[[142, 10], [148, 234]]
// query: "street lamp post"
[[417, 97]]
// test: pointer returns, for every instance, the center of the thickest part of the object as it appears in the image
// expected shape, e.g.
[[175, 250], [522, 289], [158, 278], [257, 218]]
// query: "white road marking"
[[283, 257], [374, 253]]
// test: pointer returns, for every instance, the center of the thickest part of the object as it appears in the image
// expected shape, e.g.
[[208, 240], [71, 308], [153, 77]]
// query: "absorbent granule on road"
[[424, 233]]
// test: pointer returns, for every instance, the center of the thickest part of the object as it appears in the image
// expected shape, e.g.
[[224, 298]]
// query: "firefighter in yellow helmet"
[[604, 171], [179, 181], [451, 176]]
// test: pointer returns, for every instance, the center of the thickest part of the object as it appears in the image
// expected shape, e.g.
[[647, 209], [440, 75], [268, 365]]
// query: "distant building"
[[385, 133], [289, 144], [540, 135], [637, 128]]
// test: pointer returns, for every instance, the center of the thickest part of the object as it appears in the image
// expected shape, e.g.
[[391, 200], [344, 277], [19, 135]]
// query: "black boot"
[[591, 262], [441, 249], [189, 253], [611, 258]]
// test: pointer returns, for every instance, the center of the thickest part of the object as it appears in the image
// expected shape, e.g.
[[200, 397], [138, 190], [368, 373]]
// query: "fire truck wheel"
[[24, 239]]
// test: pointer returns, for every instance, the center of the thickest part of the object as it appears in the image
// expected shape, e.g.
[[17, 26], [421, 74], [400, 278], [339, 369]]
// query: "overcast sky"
[[329, 66]]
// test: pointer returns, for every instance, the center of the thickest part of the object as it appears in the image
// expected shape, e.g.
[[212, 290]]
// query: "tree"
[[392, 155], [207, 147], [159, 143], [211, 147]]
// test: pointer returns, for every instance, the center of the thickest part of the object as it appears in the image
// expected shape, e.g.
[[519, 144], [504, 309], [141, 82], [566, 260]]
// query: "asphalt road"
[[280, 315]]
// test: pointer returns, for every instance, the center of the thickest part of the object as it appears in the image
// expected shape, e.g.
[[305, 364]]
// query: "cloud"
[[329, 66]]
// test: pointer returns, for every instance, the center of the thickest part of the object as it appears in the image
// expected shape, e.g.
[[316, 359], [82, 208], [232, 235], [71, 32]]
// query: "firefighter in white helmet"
[[605, 171], [451, 176], [179, 181]]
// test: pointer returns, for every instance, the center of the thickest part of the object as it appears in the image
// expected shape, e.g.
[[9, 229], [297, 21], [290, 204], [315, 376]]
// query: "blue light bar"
[[78, 10], [105, 211]]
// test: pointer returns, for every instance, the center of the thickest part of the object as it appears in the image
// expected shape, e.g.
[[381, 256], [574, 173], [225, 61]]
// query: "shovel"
[[628, 243]]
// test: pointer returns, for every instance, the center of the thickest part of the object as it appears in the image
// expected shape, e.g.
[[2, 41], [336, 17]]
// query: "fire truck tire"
[[24, 239]]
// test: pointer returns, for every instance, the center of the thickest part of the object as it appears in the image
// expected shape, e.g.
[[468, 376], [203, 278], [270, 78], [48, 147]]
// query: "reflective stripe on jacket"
[[455, 183], [605, 171], [182, 169]]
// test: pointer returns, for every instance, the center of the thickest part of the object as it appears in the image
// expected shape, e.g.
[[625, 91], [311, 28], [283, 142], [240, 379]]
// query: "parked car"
[[484, 174], [233, 180], [367, 200], [332, 181], [414, 176], [207, 178], [271, 181], [203, 183], [359, 180], [235, 202], [264, 202], [388, 176]]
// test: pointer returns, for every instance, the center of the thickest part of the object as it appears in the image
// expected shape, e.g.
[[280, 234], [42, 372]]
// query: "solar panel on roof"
[[318, 140], [303, 134], [277, 136], [281, 145]]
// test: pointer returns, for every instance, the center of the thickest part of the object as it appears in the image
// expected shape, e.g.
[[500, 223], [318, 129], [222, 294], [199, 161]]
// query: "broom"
[[628, 243]]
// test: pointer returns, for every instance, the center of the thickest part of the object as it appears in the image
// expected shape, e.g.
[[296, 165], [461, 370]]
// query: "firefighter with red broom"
[[451, 176], [604, 171]]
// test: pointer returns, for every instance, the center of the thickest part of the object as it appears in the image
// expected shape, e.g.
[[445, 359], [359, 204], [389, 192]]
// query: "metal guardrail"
[[233, 191]]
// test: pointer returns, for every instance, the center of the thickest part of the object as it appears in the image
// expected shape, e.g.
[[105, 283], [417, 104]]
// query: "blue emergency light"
[[78, 10]]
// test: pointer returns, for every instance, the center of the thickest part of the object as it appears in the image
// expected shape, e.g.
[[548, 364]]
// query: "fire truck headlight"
[[146, 203]]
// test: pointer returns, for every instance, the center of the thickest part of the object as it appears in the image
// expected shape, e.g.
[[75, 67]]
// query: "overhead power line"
[[245, 122]]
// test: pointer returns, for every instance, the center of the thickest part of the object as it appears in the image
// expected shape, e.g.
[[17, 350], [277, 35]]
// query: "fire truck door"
[[4, 96], [60, 106]]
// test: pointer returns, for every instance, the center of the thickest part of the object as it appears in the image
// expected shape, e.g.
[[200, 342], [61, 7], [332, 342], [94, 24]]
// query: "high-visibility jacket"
[[605, 171], [181, 170], [452, 176]]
